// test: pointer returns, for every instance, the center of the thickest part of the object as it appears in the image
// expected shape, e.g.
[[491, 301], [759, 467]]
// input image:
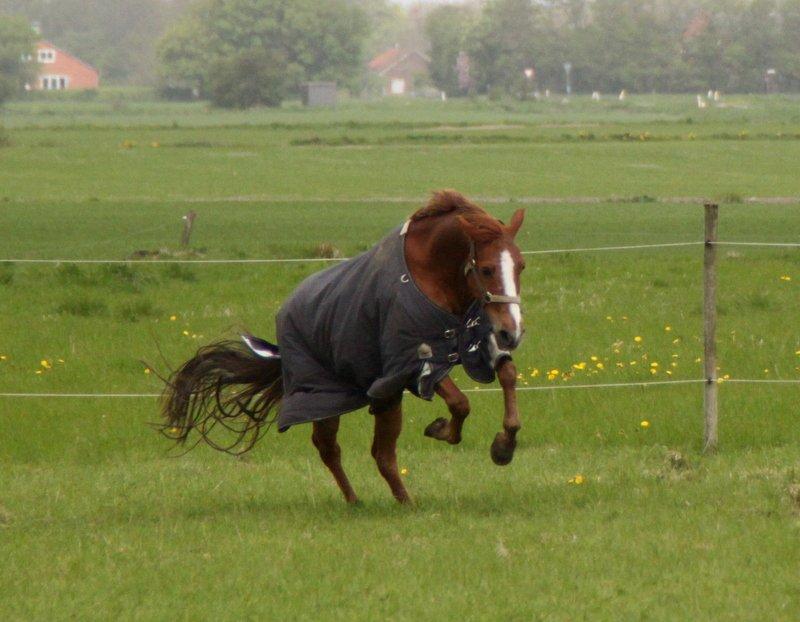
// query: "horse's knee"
[[460, 407]]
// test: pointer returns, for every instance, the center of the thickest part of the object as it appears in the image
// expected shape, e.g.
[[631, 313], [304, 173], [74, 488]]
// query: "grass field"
[[99, 520]]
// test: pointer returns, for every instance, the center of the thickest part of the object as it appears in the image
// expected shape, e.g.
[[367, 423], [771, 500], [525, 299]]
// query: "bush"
[[255, 77]]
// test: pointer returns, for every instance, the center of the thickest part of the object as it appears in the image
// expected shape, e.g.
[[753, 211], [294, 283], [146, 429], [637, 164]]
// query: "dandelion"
[[654, 364], [698, 360], [653, 371], [172, 318], [766, 371], [579, 366], [404, 471], [62, 361], [668, 328], [632, 363], [673, 364], [620, 365], [669, 373], [786, 277], [676, 341], [593, 359], [3, 357], [535, 373], [797, 353], [186, 333], [175, 431], [637, 339], [645, 424], [46, 364], [609, 318], [624, 318], [726, 377], [600, 366], [147, 371], [577, 480], [38, 372]]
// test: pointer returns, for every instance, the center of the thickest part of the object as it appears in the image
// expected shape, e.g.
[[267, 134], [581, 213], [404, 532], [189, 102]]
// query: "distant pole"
[[188, 223], [568, 71], [710, 327]]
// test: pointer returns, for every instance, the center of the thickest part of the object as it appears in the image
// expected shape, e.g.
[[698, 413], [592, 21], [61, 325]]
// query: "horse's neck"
[[436, 251]]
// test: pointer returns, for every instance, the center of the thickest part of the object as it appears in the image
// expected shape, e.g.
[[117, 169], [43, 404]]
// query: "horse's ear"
[[516, 222]]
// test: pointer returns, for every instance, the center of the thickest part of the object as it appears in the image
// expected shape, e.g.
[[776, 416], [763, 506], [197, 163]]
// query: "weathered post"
[[188, 223], [710, 327]]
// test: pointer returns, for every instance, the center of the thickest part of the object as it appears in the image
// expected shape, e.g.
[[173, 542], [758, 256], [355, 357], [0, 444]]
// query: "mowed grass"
[[99, 520]]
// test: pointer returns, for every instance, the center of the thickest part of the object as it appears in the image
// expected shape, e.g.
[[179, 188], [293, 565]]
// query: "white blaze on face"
[[510, 289]]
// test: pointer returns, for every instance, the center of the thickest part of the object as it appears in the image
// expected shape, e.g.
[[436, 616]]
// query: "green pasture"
[[99, 519]]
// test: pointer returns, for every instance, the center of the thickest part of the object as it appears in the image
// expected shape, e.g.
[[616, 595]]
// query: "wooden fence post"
[[710, 327], [188, 222]]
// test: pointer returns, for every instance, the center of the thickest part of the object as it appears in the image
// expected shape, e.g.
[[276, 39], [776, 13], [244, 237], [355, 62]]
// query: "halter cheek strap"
[[487, 297]]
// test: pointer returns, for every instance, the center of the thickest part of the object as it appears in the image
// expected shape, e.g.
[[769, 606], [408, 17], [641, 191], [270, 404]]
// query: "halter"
[[487, 297]]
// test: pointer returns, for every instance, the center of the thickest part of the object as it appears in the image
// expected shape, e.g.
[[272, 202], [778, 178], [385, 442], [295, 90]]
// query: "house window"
[[55, 83], [47, 55]]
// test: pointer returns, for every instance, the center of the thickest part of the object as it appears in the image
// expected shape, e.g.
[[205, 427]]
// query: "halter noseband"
[[487, 297]]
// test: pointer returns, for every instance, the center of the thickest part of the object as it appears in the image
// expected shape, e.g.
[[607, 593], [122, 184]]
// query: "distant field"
[[97, 521]]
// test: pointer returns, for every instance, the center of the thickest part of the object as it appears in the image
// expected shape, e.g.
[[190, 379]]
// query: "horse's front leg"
[[506, 441], [458, 405]]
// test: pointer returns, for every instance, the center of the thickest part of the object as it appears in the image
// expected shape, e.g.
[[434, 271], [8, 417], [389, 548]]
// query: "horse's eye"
[[521, 267], [487, 271]]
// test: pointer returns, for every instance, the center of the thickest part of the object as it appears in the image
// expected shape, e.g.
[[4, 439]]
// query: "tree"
[[447, 27], [16, 51], [254, 77], [317, 40], [502, 45]]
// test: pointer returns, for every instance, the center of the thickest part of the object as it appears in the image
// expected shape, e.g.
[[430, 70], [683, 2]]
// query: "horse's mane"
[[446, 202]]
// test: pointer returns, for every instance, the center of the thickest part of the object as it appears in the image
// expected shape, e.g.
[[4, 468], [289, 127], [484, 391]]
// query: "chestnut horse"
[[456, 254]]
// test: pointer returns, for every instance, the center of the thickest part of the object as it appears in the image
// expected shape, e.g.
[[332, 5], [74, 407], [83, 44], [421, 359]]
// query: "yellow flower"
[[147, 370], [634, 363], [625, 317], [637, 339], [669, 373], [45, 363], [609, 318], [653, 371], [668, 328], [61, 361], [616, 351], [174, 430], [404, 471], [38, 371], [620, 365], [797, 353], [579, 366], [534, 373], [673, 364], [600, 366], [654, 364], [3, 357], [554, 372], [698, 360], [577, 479], [172, 318], [675, 341], [186, 333], [786, 277], [592, 358], [766, 371], [645, 424], [726, 377]]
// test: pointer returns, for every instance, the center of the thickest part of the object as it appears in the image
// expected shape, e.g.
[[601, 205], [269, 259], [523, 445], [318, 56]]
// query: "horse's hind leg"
[[388, 424], [458, 404], [324, 439]]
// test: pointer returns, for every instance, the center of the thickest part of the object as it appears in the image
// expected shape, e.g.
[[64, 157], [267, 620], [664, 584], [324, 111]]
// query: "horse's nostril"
[[506, 339]]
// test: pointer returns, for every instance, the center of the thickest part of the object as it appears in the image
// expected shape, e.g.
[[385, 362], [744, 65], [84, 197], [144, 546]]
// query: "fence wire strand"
[[609, 385]]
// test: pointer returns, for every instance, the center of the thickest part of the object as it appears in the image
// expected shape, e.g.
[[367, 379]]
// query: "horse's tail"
[[226, 393]]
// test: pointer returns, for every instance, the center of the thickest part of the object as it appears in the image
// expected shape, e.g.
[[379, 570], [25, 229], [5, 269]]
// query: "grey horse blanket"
[[362, 331]]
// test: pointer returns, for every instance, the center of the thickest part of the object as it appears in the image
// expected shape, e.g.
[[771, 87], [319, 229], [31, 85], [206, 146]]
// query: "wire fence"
[[286, 260], [710, 381]]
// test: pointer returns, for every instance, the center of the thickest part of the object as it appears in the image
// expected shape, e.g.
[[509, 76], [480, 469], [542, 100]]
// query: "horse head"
[[493, 270]]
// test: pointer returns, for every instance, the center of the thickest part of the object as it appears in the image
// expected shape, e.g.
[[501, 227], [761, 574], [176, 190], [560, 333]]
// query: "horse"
[[442, 290]]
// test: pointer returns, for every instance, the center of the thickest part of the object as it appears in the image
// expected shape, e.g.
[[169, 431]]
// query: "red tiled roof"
[[385, 59]]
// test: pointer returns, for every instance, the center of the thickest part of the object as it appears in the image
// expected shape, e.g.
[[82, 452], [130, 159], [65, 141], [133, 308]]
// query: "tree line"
[[609, 45], [246, 52]]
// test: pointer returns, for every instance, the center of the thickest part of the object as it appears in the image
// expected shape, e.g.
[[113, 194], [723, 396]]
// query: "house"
[[399, 69], [59, 71]]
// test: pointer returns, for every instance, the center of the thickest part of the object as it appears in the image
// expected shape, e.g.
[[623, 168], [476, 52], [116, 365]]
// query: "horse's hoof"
[[436, 429], [502, 451]]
